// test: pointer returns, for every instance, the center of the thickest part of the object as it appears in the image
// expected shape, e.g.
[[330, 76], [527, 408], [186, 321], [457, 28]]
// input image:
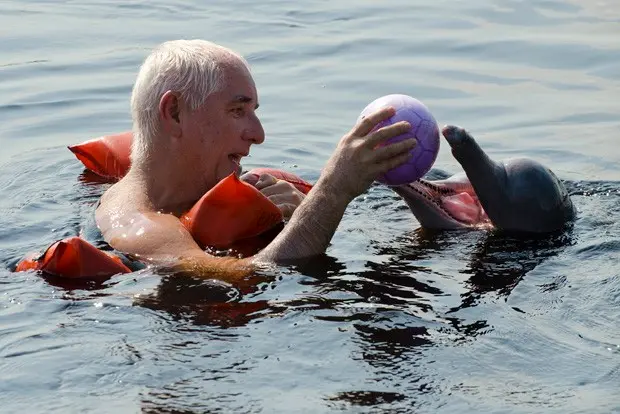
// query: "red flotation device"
[[231, 214], [107, 156], [74, 257], [231, 211]]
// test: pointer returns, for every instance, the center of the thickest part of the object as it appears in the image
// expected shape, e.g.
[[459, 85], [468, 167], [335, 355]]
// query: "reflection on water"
[[368, 299], [499, 262], [206, 301]]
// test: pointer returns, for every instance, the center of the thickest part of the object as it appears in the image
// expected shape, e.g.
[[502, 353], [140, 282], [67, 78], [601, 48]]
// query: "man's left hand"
[[282, 193]]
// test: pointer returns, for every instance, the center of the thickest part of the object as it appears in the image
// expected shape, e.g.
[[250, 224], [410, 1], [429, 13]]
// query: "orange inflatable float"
[[231, 214], [107, 156], [74, 257]]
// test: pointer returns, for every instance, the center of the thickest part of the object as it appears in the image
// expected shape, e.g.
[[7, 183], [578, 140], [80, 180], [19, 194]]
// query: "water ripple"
[[394, 317]]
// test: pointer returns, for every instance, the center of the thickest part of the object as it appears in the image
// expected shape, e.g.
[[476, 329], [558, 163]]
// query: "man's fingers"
[[393, 162], [280, 187], [289, 198], [369, 122], [250, 178], [392, 150], [265, 180], [287, 210], [388, 132]]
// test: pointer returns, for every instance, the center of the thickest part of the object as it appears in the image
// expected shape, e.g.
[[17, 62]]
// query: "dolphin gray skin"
[[517, 194]]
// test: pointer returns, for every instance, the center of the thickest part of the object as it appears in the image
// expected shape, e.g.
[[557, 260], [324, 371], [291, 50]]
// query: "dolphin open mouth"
[[518, 194], [444, 204]]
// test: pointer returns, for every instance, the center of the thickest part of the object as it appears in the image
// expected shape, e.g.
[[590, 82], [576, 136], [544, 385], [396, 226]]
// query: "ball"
[[423, 128]]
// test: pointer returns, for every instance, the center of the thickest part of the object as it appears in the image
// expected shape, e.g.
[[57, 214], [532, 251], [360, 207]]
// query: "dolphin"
[[517, 194]]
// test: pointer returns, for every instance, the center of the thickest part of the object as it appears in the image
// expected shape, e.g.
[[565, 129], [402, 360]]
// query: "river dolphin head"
[[517, 194]]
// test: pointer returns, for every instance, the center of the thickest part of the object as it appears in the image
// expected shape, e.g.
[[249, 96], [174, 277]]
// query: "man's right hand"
[[355, 164], [358, 161]]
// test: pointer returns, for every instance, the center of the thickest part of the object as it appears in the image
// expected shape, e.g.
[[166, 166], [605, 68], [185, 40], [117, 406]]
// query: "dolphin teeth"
[[436, 188], [433, 194]]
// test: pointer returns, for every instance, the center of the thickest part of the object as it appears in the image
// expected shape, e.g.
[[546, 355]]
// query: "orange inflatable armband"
[[231, 211], [107, 156], [74, 257]]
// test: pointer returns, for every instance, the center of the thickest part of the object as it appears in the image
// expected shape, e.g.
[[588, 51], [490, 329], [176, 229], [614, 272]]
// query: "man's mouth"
[[236, 158]]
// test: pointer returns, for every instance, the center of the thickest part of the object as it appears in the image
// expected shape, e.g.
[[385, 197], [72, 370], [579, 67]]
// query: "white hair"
[[192, 68]]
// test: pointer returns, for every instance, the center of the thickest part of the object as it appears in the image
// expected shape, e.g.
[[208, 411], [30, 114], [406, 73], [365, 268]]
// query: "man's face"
[[221, 131]]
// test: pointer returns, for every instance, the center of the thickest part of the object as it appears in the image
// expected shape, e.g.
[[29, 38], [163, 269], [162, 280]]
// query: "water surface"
[[393, 318]]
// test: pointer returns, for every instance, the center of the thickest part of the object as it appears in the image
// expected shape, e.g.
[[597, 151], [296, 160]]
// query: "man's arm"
[[350, 171], [161, 239], [310, 229]]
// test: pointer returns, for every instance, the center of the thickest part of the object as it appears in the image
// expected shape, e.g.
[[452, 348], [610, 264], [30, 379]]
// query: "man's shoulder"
[[116, 203], [110, 199], [122, 195]]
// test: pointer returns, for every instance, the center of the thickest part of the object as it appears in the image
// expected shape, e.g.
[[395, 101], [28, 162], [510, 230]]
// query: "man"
[[193, 109]]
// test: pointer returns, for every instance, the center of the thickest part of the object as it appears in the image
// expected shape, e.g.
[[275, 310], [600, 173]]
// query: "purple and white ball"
[[423, 128]]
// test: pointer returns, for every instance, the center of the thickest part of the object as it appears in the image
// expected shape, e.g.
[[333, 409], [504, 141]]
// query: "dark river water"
[[393, 318]]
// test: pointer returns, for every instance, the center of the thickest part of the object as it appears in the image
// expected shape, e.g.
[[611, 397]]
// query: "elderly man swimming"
[[194, 118]]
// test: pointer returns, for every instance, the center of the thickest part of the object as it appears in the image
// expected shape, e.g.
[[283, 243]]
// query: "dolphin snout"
[[449, 130], [455, 135]]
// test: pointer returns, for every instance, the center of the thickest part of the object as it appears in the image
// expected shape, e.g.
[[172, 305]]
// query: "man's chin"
[[236, 169]]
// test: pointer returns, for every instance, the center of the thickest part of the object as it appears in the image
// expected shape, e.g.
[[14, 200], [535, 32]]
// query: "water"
[[393, 318]]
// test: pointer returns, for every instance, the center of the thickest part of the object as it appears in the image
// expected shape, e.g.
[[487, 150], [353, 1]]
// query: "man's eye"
[[238, 112]]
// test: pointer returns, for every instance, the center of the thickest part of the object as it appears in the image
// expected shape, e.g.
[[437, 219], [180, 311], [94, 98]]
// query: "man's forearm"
[[311, 227]]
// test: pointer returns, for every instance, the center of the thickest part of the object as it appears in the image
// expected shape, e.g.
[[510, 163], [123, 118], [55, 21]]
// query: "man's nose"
[[255, 132]]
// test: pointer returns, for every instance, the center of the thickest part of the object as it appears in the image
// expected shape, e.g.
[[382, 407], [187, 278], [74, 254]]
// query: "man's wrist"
[[329, 187]]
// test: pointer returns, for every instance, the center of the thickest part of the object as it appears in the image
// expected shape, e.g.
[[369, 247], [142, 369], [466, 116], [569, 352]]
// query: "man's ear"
[[169, 109]]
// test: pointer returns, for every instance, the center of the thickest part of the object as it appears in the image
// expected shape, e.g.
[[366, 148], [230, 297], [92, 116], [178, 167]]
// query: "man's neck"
[[166, 182]]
